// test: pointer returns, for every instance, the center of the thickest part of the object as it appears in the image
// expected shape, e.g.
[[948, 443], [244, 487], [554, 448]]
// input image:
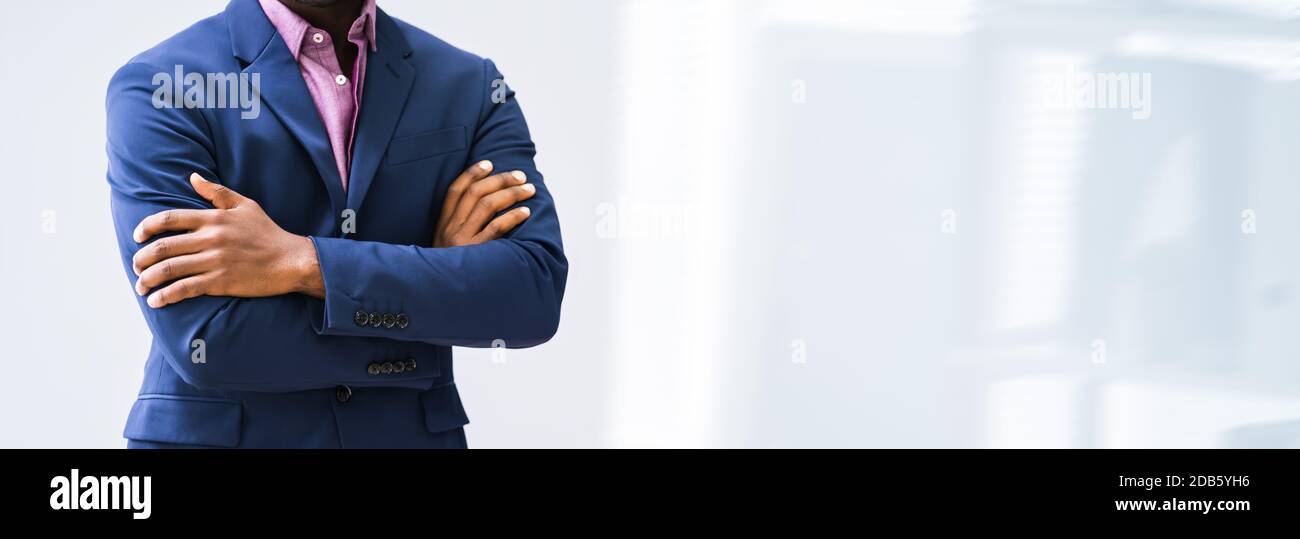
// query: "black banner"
[[143, 488]]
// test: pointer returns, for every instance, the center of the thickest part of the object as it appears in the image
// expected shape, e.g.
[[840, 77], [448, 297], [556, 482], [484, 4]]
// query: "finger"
[[191, 287], [171, 270], [165, 248], [219, 195], [483, 188], [170, 221], [502, 225], [457, 189], [495, 203]]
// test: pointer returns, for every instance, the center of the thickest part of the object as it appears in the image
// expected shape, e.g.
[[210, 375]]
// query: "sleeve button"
[[388, 367], [373, 369], [375, 320], [361, 318], [410, 365], [402, 321], [389, 320]]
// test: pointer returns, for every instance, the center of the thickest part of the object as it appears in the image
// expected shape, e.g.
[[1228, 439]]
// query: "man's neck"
[[335, 18]]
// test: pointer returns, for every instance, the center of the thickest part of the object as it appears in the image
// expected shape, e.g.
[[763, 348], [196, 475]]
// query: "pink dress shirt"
[[337, 96]]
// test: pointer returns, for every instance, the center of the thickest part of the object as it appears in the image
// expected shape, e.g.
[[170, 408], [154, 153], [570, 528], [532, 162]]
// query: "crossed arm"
[[236, 250], [276, 309]]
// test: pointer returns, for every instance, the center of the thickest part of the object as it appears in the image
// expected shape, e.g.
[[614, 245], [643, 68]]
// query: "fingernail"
[[135, 235], [529, 188], [524, 210], [485, 165], [154, 301], [519, 175], [195, 176], [139, 291]]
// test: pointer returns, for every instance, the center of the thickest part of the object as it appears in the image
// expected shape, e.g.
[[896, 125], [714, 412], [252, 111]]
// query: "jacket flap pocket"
[[185, 420], [428, 144], [442, 409]]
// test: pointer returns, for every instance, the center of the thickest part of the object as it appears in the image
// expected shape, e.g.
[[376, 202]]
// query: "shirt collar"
[[293, 28]]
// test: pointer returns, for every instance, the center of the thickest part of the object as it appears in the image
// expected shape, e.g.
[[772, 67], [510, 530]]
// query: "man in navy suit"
[[314, 201]]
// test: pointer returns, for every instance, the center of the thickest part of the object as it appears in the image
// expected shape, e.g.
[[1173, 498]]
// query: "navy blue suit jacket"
[[371, 364]]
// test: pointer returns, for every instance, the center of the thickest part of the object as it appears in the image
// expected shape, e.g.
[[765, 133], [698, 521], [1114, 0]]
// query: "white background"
[[753, 196]]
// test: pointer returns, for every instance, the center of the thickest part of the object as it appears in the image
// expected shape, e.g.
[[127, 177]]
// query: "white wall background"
[[752, 268]]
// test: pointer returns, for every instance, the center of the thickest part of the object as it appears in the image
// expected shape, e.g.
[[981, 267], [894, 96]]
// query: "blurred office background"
[[801, 223]]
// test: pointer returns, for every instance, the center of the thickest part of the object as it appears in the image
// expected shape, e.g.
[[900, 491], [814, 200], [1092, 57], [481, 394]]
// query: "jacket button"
[[361, 318], [410, 365], [343, 394], [389, 320], [388, 367], [373, 369], [402, 321], [375, 320]]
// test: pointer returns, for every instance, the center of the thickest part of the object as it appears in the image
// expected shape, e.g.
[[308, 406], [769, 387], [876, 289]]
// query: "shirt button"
[[343, 394], [317, 37], [341, 80]]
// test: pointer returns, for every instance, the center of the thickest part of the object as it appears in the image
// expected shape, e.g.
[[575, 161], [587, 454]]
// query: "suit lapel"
[[282, 90], [389, 78], [286, 95]]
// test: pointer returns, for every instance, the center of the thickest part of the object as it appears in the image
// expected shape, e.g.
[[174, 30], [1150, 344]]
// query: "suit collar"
[[256, 43], [389, 77], [250, 30]]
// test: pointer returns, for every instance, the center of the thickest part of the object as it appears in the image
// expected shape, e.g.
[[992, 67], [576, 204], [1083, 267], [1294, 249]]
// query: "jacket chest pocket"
[[426, 145]]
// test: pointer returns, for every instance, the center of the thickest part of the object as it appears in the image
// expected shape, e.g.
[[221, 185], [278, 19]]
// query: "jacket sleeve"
[[505, 292], [260, 344]]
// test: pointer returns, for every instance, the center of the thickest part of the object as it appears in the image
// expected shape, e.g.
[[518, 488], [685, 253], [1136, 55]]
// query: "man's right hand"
[[469, 211]]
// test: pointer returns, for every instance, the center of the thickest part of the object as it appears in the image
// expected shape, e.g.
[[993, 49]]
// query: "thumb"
[[219, 195]]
